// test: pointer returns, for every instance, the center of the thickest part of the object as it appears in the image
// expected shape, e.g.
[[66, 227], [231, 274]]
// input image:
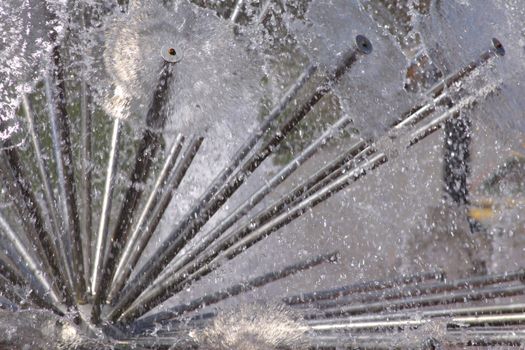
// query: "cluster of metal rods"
[[47, 262]]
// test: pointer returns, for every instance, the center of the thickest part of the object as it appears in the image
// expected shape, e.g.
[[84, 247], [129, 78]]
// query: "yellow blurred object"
[[481, 214]]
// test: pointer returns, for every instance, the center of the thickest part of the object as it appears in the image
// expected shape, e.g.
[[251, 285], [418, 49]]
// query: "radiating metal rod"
[[144, 232], [363, 287], [86, 168], [150, 143], [423, 301], [438, 92], [27, 263], [223, 176], [462, 321], [49, 198], [441, 313], [421, 290], [31, 217], [260, 194], [61, 139], [149, 207], [236, 10], [177, 282], [178, 239], [232, 291], [102, 239]]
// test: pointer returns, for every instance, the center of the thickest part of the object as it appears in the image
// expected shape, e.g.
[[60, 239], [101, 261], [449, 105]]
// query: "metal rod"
[[425, 289], [27, 263], [362, 287], [260, 194], [60, 135], [179, 238], [144, 232], [49, 199], [176, 282], [438, 93], [423, 301], [31, 216], [465, 311], [236, 10], [223, 176], [148, 147], [86, 166], [153, 199], [102, 239], [229, 292]]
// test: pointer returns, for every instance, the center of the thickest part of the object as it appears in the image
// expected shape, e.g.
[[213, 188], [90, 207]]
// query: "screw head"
[[498, 47], [170, 53], [363, 44]]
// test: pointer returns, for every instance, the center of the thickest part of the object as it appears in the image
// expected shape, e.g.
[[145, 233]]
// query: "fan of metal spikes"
[[48, 301]]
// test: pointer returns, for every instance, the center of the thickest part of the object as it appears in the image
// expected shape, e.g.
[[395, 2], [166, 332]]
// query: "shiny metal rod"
[[148, 274], [257, 197], [420, 290], [144, 232], [180, 237], [60, 136], [150, 143], [423, 301], [363, 287], [232, 291], [27, 263], [102, 239]]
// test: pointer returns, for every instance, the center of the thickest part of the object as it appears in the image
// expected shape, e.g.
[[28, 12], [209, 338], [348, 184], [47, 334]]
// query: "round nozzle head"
[[171, 54], [363, 44], [498, 47]]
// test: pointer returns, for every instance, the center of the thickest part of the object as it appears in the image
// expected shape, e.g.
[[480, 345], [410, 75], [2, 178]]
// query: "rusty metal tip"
[[498, 46], [363, 44]]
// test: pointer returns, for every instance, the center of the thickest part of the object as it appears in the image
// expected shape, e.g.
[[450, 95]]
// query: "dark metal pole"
[[31, 217], [144, 232], [240, 155], [423, 301], [229, 292], [60, 127], [261, 193], [191, 226], [421, 290], [148, 147], [176, 282], [362, 287]]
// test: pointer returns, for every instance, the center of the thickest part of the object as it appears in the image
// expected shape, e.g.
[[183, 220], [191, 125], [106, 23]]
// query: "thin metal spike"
[[178, 239], [30, 214], [100, 244], [236, 10], [421, 290], [209, 299], [240, 155], [148, 147], [423, 301], [259, 195], [26, 263], [86, 166], [362, 287], [441, 313], [59, 248], [144, 232], [60, 135]]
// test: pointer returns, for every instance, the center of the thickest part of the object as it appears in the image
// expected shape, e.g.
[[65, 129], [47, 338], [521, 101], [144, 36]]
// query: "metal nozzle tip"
[[363, 44], [498, 47]]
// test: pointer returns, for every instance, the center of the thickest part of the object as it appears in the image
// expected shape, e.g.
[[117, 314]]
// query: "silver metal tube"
[[151, 202], [258, 196], [236, 10], [25, 260], [102, 235], [48, 193]]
